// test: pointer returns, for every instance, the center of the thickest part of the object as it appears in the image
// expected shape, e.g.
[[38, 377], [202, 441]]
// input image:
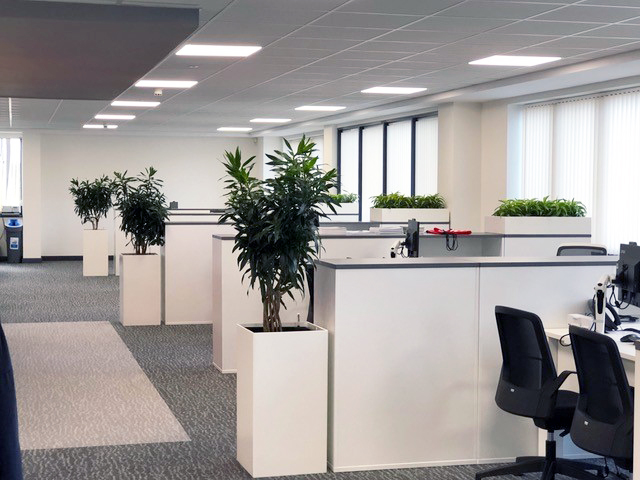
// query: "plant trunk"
[[94, 223], [271, 311]]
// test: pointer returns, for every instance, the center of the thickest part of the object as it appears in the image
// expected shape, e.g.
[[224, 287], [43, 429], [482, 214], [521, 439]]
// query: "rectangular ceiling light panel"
[[394, 90], [270, 120], [320, 108], [192, 50], [166, 83], [135, 104], [103, 116], [514, 61], [235, 129], [102, 127]]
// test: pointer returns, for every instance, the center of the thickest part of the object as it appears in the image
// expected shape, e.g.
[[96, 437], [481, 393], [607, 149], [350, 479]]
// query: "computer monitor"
[[628, 274], [412, 239]]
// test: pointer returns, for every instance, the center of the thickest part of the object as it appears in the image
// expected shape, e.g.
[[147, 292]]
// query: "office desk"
[[563, 357]]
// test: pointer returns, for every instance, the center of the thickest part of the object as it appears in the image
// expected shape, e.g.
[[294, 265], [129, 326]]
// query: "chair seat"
[[562, 415]]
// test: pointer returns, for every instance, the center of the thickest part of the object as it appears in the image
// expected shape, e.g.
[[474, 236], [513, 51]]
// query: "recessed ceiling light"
[[514, 60], [217, 50], [103, 127], [235, 129], [132, 103], [166, 83], [394, 90], [270, 120], [104, 116], [320, 108]]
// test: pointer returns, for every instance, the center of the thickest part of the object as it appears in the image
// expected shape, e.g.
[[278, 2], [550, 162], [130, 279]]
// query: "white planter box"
[[538, 225], [95, 253], [282, 401], [140, 289], [401, 215]]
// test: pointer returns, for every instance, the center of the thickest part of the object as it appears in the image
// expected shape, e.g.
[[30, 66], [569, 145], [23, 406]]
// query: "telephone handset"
[[611, 318]]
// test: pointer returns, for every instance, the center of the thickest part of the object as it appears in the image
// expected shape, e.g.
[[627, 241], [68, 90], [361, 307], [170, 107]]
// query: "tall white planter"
[[401, 215], [140, 289], [95, 253], [282, 401]]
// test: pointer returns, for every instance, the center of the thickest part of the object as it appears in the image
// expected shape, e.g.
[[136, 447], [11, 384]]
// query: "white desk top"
[[627, 350]]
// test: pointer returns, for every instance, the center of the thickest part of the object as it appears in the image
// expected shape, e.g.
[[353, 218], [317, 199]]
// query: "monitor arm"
[[600, 303]]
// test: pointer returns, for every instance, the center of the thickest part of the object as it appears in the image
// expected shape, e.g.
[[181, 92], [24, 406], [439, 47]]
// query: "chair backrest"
[[603, 421], [527, 364], [578, 249]]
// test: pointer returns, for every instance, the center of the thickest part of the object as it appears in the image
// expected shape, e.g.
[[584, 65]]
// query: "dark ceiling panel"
[[82, 51]]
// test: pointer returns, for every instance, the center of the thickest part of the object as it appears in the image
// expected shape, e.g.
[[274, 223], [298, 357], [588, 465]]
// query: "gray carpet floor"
[[177, 360]]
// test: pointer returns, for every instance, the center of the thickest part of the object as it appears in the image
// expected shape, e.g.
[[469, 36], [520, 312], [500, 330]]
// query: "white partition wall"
[[414, 356], [188, 277]]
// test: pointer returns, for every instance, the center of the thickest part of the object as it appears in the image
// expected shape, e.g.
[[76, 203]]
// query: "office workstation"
[[482, 160]]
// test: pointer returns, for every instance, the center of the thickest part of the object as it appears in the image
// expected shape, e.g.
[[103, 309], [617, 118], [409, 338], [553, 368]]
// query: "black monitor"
[[412, 239], [628, 274]]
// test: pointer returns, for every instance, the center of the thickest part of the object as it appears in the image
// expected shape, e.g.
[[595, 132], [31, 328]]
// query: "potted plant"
[[143, 210], [281, 369], [397, 208], [346, 208], [537, 227], [92, 202]]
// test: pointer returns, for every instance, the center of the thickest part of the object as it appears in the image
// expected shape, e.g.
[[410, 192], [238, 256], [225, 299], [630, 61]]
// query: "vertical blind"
[[427, 156], [372, 168], [399, 157], [11, 172], [588, 149], [397, 174]]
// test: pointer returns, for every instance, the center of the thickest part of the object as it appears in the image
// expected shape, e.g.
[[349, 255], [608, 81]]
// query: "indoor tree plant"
[[276, 241], [395, 207], [538, 226], [92, 201], [143, 210]]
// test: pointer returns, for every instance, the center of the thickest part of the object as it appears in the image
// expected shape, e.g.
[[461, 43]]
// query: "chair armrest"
[[549, 391]]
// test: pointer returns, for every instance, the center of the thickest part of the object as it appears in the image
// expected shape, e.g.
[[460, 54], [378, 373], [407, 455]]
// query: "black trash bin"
[[13, 232]]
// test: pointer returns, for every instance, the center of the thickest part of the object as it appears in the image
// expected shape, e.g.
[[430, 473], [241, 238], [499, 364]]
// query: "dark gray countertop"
[[463, 262]]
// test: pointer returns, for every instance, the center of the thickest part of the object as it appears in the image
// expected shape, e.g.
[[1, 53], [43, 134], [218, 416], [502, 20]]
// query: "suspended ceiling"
[[326, 51]]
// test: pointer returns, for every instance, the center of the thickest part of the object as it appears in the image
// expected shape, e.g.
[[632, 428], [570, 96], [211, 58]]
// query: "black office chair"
[[603, 421], [578, 249], [530, 387]]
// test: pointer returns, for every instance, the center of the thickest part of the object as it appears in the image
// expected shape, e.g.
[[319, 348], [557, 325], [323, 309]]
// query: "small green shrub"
[[532, 207], [344, 197], [92, 200], [396, 200]]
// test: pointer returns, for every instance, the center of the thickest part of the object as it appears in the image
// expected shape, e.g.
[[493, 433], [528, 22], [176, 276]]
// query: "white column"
[[330, 153], [459, 165], [267, 146], [32, 196]]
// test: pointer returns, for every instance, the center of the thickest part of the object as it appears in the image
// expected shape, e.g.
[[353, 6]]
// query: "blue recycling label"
[[14, 243]]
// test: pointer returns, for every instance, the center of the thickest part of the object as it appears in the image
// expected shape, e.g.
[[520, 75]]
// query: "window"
[[587, 149], [11, 172], [400, 156]]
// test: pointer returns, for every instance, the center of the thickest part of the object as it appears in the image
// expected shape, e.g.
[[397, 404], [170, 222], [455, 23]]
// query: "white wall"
[[32, 196], [190, 167]]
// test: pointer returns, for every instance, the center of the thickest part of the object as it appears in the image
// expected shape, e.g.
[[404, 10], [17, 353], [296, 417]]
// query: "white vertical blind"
[[619, 171], [349, 161], [574, 151], [371, 167], [11, 172], [399, 157], [537, 150], [427, 156], [588, 149]]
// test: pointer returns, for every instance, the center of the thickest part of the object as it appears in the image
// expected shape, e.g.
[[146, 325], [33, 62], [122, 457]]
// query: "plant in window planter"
[[92, 202], [143, 210], [346, 208], [397, 208], [277, 239], [538, 226]]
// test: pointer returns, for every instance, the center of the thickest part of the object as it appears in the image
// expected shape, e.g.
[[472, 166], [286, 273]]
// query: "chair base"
[[549, 465]]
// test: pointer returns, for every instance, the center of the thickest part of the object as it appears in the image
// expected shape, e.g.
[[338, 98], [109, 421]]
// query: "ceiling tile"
[[364, 20], [263, 14], [409, 47], [410, 7], [493, 9], [538, 27], [587, 13], [423, 36], [341, 33], [459, 24], [587, 42], [615, 31]]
